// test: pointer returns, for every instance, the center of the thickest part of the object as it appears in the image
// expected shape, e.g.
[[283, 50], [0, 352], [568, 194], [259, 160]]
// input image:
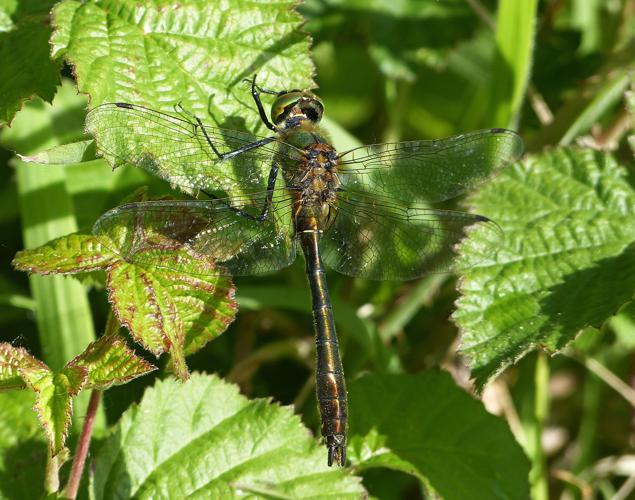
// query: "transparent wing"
[[372, 237], [175, 148], [240, 245], [429, 170]]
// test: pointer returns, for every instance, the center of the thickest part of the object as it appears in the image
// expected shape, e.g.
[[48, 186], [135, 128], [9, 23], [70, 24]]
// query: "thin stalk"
[[74, 480], [538, 474], [82, 446]]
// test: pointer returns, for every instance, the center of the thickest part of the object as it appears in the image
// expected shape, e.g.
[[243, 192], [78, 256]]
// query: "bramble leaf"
[[192, 53], [202, 439], [171, 299], [74, 253], [110, 362], [426, 426], [567, 260]]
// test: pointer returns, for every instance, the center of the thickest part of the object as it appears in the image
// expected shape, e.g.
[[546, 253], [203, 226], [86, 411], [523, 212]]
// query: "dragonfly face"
[[366, 212], [291, 109]]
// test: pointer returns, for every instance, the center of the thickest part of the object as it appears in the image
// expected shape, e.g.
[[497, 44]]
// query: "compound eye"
[[283, 104]]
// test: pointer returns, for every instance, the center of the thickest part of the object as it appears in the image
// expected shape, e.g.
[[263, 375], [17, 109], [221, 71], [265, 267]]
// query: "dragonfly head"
[[292, 108]]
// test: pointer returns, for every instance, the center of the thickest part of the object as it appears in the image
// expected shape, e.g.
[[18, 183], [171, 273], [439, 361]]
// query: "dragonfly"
[[367, 212]]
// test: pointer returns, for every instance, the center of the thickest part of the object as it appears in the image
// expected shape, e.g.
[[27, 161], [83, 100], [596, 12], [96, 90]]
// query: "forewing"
[[375, 238], [429, 170], [175, 148], [240, 245]]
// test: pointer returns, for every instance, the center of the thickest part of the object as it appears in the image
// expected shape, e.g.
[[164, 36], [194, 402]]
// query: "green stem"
[[538, 475], [52, 478], [74, 480]]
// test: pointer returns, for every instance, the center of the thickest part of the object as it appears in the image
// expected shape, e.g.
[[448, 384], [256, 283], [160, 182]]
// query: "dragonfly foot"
[[336, 444]]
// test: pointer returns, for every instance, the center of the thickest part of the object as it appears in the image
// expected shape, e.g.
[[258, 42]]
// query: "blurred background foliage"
[[397, 70]]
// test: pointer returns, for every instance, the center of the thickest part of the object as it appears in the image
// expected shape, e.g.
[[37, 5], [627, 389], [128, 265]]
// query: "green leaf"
[[202, 439], [12, 361], [567, 260], [65, 154], [73, 253], [54, 400], [171, 299], [54, 391], [26, 67], [110, 362], [22, 447], [158, 55], [428, 427]]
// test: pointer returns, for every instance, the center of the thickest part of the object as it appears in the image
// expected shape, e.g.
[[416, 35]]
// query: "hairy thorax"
[[313, 180]]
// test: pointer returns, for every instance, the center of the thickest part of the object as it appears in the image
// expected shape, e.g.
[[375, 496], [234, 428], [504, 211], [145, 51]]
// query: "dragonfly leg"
[[255, 93], [271, 183]]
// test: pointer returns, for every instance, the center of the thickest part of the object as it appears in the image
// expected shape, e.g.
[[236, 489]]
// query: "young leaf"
[[74, 253], [171, 299], [567, 260], [54, 391], [12, 361], [110, 362], [183, 53], [426, 426], [203, 439]]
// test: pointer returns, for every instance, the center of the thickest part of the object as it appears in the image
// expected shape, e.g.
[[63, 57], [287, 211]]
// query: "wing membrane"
[[429, 170], [240, 245], [176, 149], [375, 238]]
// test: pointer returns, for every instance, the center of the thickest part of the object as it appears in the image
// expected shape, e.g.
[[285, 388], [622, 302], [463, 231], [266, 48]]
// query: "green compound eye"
[[298, 102]]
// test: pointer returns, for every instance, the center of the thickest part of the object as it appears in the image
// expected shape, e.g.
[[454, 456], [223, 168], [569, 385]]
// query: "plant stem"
[[51, 478], [538, 474], [111, 328], [82, 446]]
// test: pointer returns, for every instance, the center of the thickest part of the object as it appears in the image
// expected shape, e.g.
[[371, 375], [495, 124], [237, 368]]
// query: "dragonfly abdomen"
[[330, 385]]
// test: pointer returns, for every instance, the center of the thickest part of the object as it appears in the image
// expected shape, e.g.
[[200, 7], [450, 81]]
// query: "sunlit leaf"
[[193, 53], [567, 260], [202, 439], [110, 362], [73, 253]]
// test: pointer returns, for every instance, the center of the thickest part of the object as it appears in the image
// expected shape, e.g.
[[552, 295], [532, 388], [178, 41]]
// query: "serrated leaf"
[[182, 53], [109, 361], [13, 361], [26, 67], [567, 260], [64, 154], [202, 439], [74, 253], [54, 400], [426, 426], [169, 310]]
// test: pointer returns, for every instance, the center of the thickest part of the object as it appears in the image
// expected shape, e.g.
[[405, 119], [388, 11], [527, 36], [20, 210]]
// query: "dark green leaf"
[[428, 427], [26, 67]]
